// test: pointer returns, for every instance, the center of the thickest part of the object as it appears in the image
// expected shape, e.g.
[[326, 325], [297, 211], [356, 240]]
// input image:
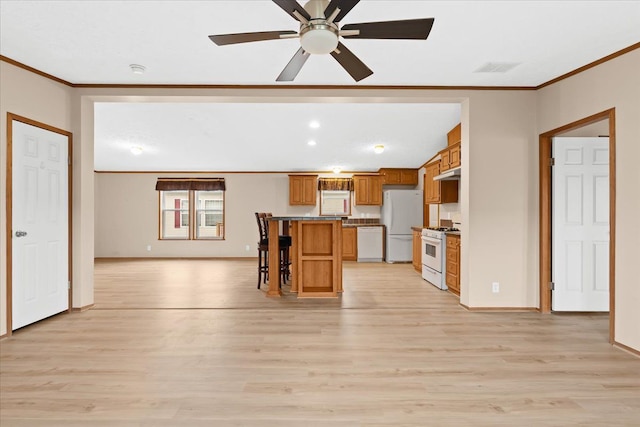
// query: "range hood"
[[449, 175]]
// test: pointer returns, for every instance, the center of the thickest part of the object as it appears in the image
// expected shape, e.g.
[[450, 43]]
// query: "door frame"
[[9, 243], [545, 217]]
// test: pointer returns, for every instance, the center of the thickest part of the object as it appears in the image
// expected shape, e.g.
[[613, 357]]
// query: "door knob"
[[21, 233]]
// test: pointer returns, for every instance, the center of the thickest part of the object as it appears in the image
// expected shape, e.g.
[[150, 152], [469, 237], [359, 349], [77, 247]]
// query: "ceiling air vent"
[[497, 67]]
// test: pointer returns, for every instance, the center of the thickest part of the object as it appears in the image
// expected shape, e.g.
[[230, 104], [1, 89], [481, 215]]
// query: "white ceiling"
[[86, 42]]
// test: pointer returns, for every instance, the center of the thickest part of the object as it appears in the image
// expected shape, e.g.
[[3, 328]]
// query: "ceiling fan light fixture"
[[136, 151], [378, 149], [319, 38]]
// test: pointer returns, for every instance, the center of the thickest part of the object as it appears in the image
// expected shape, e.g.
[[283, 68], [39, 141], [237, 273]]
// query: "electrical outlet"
[[495, 287], [246, 248], [148, 248]]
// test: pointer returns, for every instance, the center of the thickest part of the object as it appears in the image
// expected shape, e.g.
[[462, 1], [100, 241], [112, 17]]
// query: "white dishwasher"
[[370, 244]]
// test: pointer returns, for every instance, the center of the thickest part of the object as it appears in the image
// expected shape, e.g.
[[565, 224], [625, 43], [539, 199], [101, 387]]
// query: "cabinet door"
[[349, 244], [391, 176], [375, 190], [368, 190], [417, 251], [303, 189], [361, 189], [453, 264], [445, 160], [432, 188], [454, 156], [455, 135], [409, 177]]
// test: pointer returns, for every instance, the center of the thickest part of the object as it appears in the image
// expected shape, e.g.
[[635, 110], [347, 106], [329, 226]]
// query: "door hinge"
[[552, 286], [552, 161], [69, 284], [69, 160]]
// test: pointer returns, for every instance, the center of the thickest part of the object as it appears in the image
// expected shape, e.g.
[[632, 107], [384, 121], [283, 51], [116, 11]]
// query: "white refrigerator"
[[401, 210]]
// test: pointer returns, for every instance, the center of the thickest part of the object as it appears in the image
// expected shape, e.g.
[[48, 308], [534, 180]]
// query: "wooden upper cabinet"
[[399, 176], [450, 157], [438, 192], [455, 135], [368, 189], [303, 189], [454, 156]]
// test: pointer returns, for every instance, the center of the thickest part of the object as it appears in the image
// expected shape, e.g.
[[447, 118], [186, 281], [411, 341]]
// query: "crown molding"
[[319, 87]]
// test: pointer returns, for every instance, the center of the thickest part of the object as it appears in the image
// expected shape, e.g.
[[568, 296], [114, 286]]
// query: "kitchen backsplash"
[[360, 221]]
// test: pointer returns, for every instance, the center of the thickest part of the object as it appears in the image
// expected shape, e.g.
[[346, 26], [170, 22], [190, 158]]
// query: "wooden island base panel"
[[316, 256]]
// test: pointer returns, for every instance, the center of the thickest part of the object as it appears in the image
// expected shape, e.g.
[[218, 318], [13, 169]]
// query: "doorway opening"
[[545, 150]]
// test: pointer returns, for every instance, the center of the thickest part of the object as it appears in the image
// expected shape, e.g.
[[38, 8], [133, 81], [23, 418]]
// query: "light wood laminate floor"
[[194, 343]]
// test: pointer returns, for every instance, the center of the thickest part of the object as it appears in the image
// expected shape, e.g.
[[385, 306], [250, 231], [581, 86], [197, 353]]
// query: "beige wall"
[[36, 98], [498, 189], [613, 84]]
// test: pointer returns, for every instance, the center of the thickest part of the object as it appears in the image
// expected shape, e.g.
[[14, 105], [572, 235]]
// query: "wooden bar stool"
[[263, 250]]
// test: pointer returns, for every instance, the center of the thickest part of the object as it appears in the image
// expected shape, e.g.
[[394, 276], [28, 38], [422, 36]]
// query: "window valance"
[[335, 184], [200, 184]]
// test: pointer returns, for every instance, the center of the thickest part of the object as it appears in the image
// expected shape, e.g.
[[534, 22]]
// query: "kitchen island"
[[315, 254]]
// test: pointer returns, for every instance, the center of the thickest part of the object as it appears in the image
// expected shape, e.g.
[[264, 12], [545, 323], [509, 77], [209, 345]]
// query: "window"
[[335, 196], [191, 209], [335, 202], [209, 212]]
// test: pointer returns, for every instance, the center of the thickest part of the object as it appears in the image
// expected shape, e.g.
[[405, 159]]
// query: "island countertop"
[[306, 218]]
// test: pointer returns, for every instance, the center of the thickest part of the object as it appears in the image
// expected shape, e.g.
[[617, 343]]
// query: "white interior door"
[[580, 224], [39, 222]]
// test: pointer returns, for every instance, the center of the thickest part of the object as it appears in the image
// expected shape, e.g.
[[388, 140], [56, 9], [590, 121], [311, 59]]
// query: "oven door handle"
[[434, 242]]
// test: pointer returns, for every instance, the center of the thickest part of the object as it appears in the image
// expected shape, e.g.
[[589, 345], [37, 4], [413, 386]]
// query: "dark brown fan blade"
[[409, 29], [344, 5], [293, 67], [351, 63], [223, 39], [290, 6]]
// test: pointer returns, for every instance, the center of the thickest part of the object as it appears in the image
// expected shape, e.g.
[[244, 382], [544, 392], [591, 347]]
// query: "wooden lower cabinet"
[[349, 244], [417, 250], [453, 263]]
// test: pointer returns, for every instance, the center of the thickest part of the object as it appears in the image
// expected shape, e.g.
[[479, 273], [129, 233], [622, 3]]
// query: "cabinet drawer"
[[452, 242], [452, 268], [452, 256]]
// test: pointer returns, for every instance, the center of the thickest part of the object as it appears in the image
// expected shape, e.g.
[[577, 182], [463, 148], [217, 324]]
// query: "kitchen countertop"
[[306, 218], [362, 225], [453, 233], [420, 228]]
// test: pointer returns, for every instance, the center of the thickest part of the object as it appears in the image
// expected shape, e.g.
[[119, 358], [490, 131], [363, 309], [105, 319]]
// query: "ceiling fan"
[[320, 32]]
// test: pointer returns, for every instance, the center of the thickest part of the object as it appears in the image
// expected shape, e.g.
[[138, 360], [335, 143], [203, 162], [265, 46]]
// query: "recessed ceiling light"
[[337, 169], [136, 151], [312, 143], [314, 124], [137, 69], [378, 148]]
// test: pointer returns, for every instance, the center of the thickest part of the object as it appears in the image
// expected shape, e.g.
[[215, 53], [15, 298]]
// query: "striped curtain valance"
[[200, 184], [335, 184]]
